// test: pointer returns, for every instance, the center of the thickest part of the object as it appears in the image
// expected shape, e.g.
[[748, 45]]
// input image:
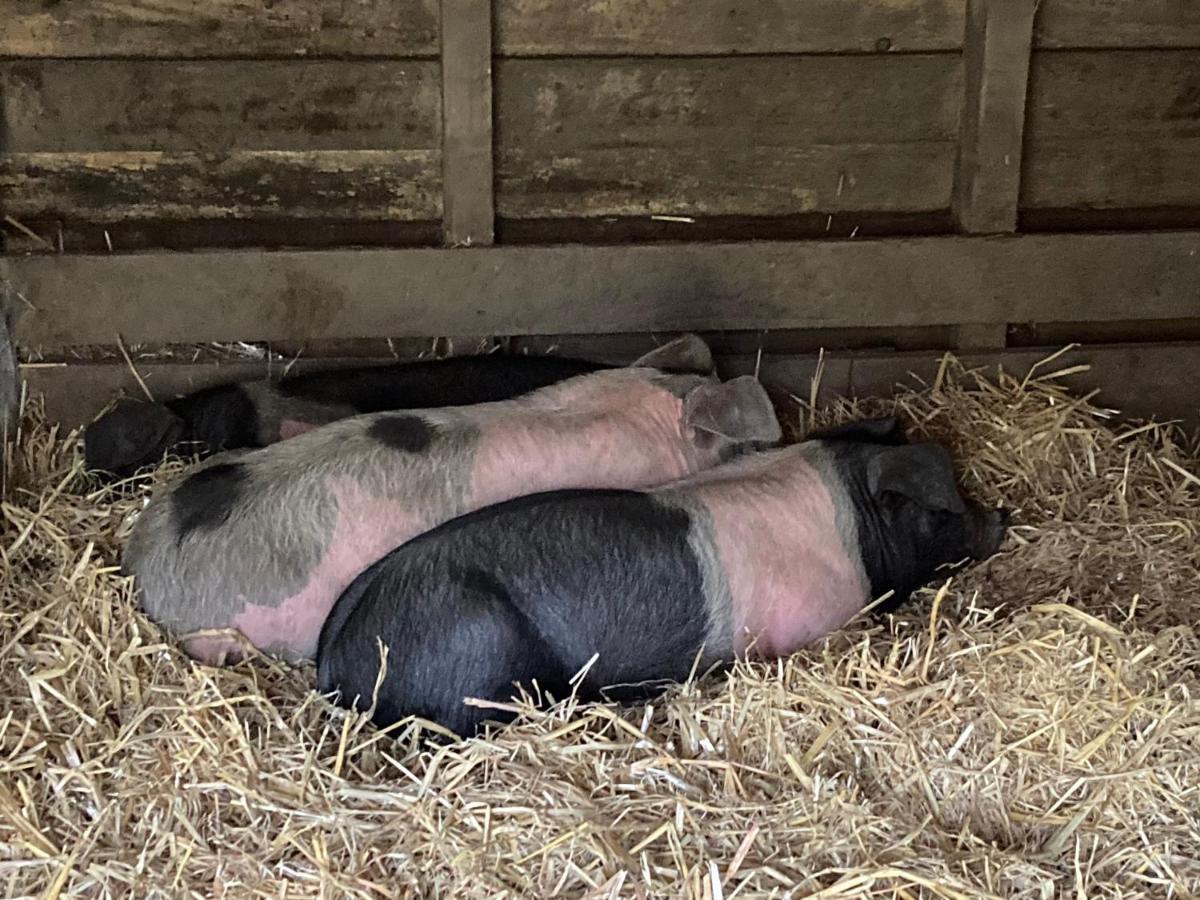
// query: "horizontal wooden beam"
[[253, 296], [1143, 380]]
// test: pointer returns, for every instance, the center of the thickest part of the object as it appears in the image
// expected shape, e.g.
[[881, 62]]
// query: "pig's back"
[[568, 574]]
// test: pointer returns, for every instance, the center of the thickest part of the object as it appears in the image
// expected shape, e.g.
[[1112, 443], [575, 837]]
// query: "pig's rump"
[[236, 546], [528, 591]]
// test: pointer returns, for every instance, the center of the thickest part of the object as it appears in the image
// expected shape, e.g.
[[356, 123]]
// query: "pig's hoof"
[[215, 648]]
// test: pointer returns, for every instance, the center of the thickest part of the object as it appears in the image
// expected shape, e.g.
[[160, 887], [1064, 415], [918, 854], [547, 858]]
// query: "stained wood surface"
[[1113, 129], [1118, 23], [518, 290], [762, 136], [1141, 380], [686, 27], [98, 105], [127, 186], [468, 171], [987, 175], [218, 28]]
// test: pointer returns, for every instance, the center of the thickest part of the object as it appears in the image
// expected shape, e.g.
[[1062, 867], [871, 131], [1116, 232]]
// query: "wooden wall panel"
[[1117, 24], [107, 142], [174, 29], [717, 27], [100, 105], [110, 187], [525, 290], [1113, 130], [761, 136]]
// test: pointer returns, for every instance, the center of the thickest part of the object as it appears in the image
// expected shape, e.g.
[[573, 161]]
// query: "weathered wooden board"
[[218, 28], [152, 185], [987, 171], [1113, 129], [100, 105], [538, 290], [1142, 380], [761, 136], [468, 170], [691, 27], [1118, 23]]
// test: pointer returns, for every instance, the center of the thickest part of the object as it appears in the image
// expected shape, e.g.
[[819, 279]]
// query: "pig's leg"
[[449, 636]]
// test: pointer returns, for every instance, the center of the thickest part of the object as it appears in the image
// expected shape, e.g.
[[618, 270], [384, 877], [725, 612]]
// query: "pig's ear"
[[130, 436], [887, 430], [923, 473], [686, 354], [738, 410]]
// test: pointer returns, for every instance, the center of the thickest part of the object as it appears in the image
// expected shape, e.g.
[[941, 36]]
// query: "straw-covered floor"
[[1031, 730]]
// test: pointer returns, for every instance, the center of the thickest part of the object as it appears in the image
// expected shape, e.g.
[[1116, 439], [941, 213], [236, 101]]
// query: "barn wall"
[[428, 126]]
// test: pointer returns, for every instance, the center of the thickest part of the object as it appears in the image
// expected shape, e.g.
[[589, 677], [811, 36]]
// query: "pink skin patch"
[[790, 578], [519, 455], [289, 428], [367, 528]]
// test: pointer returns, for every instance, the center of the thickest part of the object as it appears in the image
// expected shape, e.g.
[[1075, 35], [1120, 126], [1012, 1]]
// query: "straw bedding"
[[1030, 729]]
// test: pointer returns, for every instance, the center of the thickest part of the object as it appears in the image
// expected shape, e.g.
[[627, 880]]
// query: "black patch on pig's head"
[[205, 499], [912, 524], [408, 434], [131, 436]]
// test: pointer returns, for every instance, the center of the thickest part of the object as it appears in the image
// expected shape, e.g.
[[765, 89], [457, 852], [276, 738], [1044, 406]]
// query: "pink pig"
[[265, 541]]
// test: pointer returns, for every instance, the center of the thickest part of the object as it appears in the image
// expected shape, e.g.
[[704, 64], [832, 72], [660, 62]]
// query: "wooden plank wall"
[[132, 124], [171, 124], [177, 124]]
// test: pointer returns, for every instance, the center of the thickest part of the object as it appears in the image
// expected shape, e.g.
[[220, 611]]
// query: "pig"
[[754, 558], [264, 541], [134, 435]]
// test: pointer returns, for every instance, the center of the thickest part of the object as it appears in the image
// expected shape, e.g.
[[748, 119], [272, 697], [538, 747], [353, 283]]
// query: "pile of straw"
[[1030, 729]]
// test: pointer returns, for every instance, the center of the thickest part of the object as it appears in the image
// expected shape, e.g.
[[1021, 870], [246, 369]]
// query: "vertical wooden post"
[[468, 204], [987, 176], [996, 52]]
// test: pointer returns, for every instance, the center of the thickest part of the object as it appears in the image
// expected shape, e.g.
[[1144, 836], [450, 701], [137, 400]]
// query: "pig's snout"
[[985, 530]]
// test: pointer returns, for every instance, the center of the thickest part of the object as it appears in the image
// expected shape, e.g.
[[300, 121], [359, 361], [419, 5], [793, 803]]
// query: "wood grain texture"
[[692, 27], [518, 290], [151, 185], [1138, 379], [1113, 129], [468, 171], [218, 28], [987, 173], [762, 136], [100, 105], [1118, 23]]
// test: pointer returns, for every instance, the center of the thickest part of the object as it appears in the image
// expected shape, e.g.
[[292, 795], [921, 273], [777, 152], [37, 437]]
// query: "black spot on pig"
[[206, 499], [408, 434]]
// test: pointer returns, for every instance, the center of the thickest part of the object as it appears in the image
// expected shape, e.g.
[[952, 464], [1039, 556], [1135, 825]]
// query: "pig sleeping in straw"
[[759, 556], [264, 541], [135, 434]]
